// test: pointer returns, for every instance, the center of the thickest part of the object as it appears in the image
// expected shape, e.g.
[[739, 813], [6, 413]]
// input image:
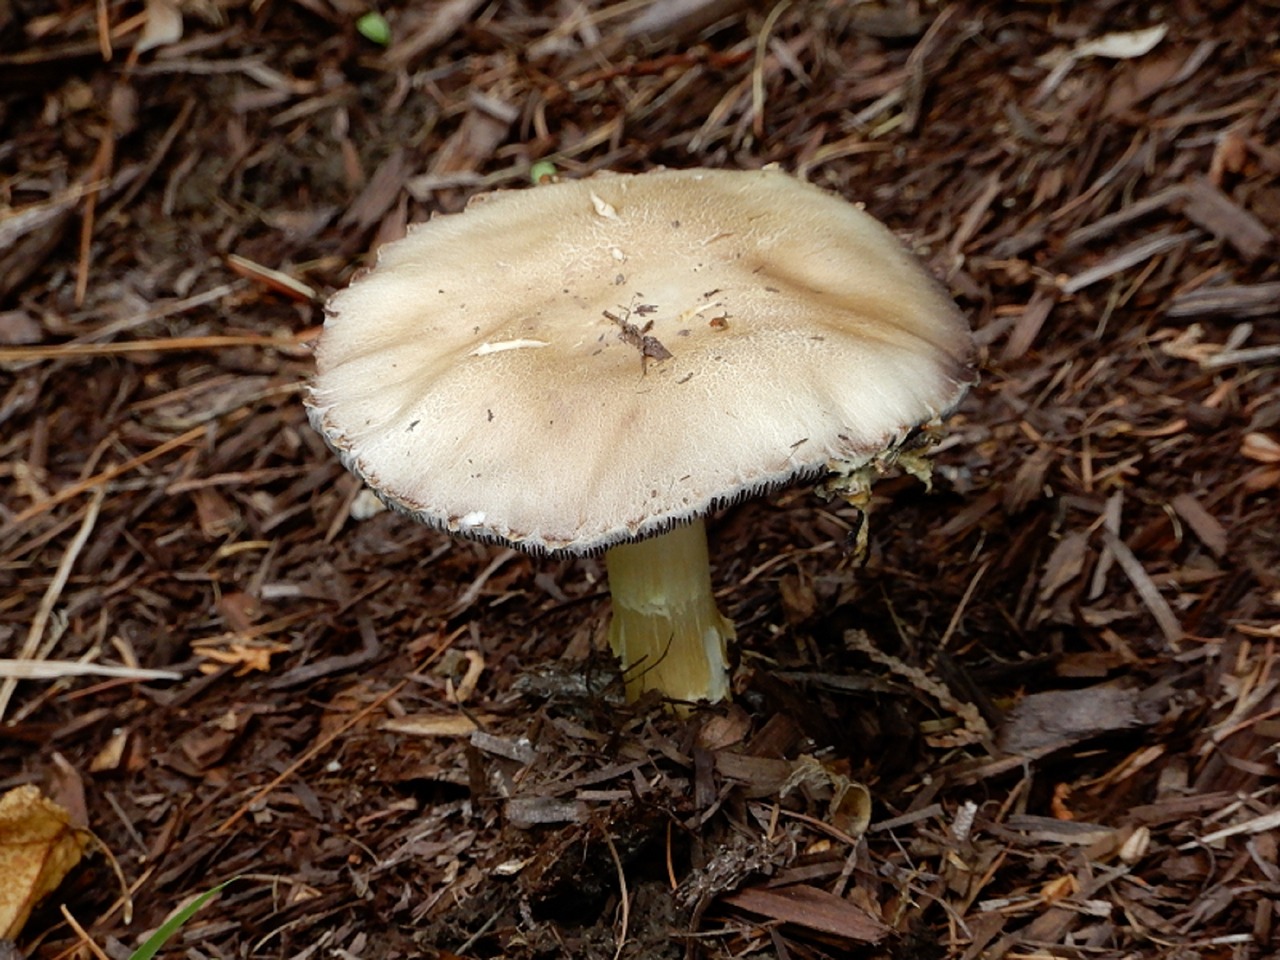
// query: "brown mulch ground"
[[1055, 674]]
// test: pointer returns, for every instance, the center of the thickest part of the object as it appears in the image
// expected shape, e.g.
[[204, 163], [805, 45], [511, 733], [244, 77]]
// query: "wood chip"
[[1028, 326], [679, 18], [1260, 447], [1130, 256], [1072, 238], [1212, 210], [1234, 300], [1106, 226], [813, 909], [525, 812], [1052, 830], [19, 327], [1044, 722], [1202, 523], [55, 669], [435, 24], [1147, 590], [379, 194], [1064, 564], [521, 750], [1259, 824], [1111, 520], [762, 775], [432, 725]]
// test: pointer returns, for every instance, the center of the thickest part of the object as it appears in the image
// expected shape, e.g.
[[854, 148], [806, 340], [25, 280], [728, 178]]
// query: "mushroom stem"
[[666, 628]]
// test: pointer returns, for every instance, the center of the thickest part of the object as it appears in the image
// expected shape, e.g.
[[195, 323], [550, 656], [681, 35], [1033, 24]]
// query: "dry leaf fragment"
[[1058, 888], [1260, 479], [725, 730], [526, 812], [1135, 845], [1202, 523], [111, 756], [1260, 447], [1065, 563], [38, 847], [1123, 46], [848, 802], [434, 725], [244, 656], [19, 327], [1048, 721], [163, 26], [813, 909], [462, 692]]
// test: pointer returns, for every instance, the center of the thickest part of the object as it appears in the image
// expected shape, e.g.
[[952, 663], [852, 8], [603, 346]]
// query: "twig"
[[442, 20], [916, 74], [1129, 256], [100, 170], [159, 310], [103, 18], [157, 157], [82, 934], [1142, 582], [626, 897], [964, 602], [757, 71], [101, 479], [25, 669], [834, 832], [1234, 300], [66, 350], [472, 940], [671, 867], [469, 595], [306, 758], [324, 742], [126, 894], [54, 590], [1264, 823], [122, 904], [1227, 358]]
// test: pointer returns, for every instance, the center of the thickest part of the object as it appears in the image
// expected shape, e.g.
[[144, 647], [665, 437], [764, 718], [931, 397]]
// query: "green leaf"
[[373, 27], [175, 922]]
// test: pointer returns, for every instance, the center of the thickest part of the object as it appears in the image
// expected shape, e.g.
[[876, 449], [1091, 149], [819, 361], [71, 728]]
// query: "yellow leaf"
[[38, 847]]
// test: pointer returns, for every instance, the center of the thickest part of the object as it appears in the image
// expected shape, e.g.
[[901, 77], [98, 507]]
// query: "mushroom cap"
[[585, 363]]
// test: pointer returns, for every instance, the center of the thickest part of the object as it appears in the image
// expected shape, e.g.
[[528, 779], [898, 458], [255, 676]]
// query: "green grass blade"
[[171, 926]]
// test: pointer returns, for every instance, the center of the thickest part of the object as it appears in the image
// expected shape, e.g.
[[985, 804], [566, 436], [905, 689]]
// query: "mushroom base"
[[666, 628]]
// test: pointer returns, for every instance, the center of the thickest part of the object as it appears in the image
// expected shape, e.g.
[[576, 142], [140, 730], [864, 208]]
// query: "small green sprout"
[[157, 940], [373, 27], [542, 171]]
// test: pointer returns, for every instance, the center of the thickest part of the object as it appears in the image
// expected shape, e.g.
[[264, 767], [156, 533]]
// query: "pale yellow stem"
[[666, 628]]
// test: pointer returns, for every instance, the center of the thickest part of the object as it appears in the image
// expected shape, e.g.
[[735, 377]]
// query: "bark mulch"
[[1040, 719]]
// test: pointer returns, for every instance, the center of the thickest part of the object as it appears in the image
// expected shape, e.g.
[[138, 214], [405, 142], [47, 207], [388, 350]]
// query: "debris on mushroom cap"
[[584, 363]]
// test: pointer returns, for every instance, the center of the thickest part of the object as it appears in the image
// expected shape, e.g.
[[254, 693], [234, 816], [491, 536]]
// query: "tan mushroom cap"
[[489, 375]]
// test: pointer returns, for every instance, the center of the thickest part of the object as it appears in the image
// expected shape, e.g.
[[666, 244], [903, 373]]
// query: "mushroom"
[[594, 365]]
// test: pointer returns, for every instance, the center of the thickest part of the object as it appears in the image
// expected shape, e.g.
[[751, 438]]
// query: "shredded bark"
[[1054, 676]]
